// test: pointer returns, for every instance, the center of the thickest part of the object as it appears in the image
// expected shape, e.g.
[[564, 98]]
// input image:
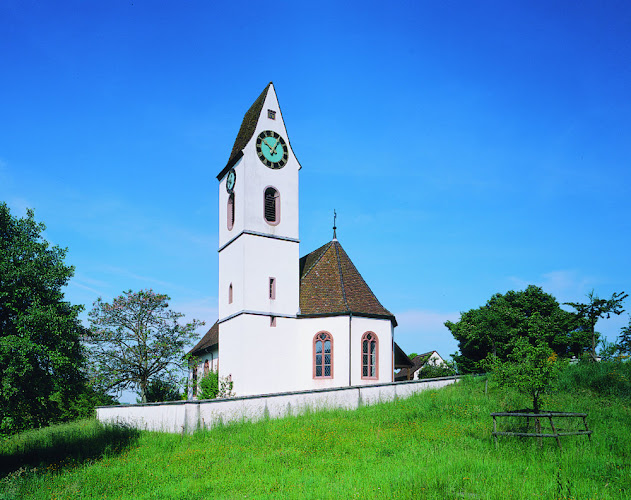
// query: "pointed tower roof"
[[330, 285], [249, 126]]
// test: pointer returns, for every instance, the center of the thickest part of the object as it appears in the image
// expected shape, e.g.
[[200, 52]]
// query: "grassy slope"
[[434, 445]]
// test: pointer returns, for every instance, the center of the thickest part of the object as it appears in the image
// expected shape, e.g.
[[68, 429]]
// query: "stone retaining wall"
[[188, 416]]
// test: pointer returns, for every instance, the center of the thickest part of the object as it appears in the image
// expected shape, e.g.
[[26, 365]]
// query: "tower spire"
[[334, 226]]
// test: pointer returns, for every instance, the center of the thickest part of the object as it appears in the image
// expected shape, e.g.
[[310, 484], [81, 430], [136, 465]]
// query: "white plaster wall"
[[338, 327], [265, 258], [383, 329], [248, 263], [259, 358], [179, 417]]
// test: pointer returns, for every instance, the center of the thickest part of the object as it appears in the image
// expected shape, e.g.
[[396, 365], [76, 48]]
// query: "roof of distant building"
[[207, 342], [417, 363]]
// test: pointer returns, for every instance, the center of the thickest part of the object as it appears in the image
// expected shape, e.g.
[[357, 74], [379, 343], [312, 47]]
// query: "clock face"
[[232, 178], [272, 149]]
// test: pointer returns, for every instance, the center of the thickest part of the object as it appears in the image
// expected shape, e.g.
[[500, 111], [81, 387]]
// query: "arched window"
[[271, 210], [230, 211], [230, 294], [370, 355], [206, 367], [323, 355]]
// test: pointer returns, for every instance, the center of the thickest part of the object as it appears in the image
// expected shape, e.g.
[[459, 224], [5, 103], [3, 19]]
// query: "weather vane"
[[334, 226]]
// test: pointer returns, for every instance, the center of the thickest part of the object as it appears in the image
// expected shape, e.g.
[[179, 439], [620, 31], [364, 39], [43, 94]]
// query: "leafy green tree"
[[445, 369], [495, 327], [595, 309], [529, 368], [41, 358], [137, 338], [624, 341], [159, 389]]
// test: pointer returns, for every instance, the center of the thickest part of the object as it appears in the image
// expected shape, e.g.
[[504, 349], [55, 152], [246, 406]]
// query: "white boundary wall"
[[188, 416]]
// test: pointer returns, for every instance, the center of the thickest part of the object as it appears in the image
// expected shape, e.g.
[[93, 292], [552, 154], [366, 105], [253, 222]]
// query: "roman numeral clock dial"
[[271, 149]]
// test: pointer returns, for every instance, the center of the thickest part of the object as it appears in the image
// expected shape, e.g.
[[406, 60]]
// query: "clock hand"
[[270, 147], [275, 146]]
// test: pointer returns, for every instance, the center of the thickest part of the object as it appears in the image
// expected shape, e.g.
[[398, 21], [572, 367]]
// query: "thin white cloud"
[[422, 330], [204, 308], [416, 319], [78, 284], [565, 285]]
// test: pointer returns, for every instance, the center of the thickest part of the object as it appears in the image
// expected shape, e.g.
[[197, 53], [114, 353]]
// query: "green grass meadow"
[[433, 445]]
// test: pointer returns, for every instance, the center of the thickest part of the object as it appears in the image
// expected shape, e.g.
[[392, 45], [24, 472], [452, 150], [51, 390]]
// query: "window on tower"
[[370, 355], [323, 355], [271, 114], [230, 211], [230, 294], [271, 209], [272, 288]]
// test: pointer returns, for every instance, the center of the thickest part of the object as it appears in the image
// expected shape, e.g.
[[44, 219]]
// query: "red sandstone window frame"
[[206, 367], [230, 212], [322, 337], [272, 321], [370, 357], [272, 288], [271, 204]]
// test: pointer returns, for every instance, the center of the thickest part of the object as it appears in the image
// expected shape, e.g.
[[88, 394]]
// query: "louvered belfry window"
[[323, 355], [230, 211], [272, 206], [370, 353]]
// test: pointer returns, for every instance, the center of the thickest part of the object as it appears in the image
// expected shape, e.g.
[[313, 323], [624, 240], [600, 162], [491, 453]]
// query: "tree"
[[595, 309], [137, 338], [495, 327], [624, 341], [529, 368], [160, 389], [446, 369], [41, 358]]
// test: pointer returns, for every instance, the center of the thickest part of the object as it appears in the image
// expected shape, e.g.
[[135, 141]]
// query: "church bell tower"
[[258, 248]]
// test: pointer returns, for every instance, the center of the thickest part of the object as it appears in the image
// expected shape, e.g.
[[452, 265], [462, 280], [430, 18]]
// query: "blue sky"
[[469, 148]]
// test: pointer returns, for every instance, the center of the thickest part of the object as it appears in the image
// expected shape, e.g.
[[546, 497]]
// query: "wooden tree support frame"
[[537, 417]]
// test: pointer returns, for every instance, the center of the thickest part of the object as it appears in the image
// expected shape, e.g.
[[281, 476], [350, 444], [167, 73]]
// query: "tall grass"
[[64, 444], [605, 379], [433, 445]]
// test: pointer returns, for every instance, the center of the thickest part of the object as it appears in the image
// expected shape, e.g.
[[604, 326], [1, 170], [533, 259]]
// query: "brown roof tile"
[[330, 284], [208, 341]]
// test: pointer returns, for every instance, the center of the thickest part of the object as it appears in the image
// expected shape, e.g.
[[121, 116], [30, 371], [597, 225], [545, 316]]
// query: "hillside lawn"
[[436, 444]]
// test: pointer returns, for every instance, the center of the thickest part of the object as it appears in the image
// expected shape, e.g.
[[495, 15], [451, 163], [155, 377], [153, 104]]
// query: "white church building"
[[286, 323]]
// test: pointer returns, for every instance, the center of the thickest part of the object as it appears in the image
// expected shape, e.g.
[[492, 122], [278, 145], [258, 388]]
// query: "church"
[[285, 323]]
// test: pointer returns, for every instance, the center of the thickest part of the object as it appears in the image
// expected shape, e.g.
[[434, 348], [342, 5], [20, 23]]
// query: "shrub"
[[208, 387], [607, 378], [161, 390], [211, 386]]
